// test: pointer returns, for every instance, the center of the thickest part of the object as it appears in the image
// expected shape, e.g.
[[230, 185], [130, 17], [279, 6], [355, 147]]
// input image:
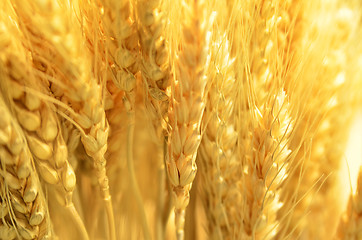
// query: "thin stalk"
[[103, 181], [160, 204], [130, 164], [180, 221], [164, 203], [168, 204], [110, 216], [190, 221], [78, 221]]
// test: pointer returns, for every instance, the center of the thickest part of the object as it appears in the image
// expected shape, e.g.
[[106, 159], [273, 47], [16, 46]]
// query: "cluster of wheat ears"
[[185, 119]]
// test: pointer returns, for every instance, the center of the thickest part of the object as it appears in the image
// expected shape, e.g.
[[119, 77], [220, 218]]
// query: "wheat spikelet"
[[186, 108], [331, 138], [71, 138], [264, 171], [38, 119], [122, 44], [24, 207], [155, 70]]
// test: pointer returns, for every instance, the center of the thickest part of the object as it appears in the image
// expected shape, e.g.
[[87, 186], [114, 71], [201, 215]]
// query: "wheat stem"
[[132, 174], [160, 231], [78, 221]]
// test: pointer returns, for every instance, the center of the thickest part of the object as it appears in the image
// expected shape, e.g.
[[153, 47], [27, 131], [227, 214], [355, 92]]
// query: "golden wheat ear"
[[67, 66], [39, 122], [187, 105], [317, 67], [217, 159], [24, 210]]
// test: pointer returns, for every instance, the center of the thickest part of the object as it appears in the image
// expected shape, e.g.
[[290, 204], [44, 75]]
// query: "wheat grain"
[[71, 137]]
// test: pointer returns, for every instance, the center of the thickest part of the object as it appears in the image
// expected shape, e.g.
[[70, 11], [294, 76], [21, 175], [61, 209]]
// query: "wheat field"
[[184, 119]]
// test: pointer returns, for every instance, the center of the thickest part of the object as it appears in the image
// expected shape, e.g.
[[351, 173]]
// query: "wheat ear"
[[72, 71], [331, 137], [42, 130], [262, 122], [217, 153], [186, 107], [24, 207], [318, 70]]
